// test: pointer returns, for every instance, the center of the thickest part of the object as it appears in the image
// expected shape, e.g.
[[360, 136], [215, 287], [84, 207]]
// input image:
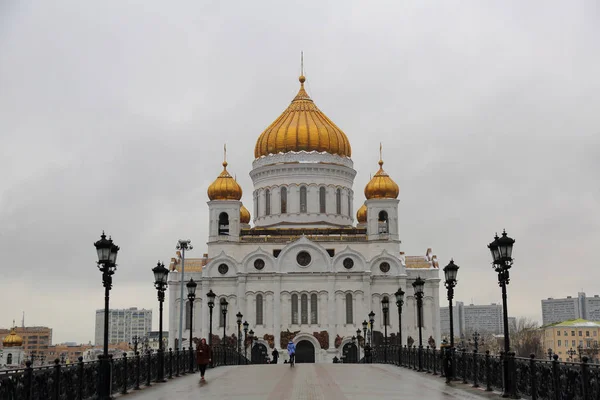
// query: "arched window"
[[314, 311], [9, 359], [304, 309], [223, 224], [383, 222], [267, 202], [256, 203], [283, 194], [322, 207], [218, 310], [349, 313], [294, 309], [388, 316], [349, 205], [338, 201], [303, 199], [259, 309], [188, 312]]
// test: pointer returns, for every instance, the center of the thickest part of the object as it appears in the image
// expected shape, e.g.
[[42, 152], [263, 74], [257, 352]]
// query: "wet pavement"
[[310, 381]]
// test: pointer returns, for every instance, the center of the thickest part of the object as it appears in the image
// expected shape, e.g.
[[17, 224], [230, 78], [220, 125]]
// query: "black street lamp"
[[550, 354], [571, 353], [211, 304], [354, 344], [224, 304], [107, 264], [365, 326], [251, 337], [501, 249], [580, 351], [358, 345], [246, 340], [191, 288], [160, 283], [239, 317], [419, 285], [372, 324], [385, 306], [476, 337]]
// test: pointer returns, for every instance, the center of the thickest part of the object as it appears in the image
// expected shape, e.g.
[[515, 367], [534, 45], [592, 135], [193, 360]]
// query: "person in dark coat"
[[203, 358], [275, 355]]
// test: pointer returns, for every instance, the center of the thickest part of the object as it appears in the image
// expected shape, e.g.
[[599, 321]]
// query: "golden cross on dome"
[[302, 63]]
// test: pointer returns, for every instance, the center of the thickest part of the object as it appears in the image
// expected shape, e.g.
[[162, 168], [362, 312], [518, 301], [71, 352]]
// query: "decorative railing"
[[79, 381], [533, 378]]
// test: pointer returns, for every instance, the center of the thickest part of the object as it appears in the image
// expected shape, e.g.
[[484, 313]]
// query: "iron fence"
[[533, 378], [79, 381]]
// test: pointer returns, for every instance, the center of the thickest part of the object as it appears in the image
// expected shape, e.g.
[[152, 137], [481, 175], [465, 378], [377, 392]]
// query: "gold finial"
[[380, 155], [302, 78], [225, 155]]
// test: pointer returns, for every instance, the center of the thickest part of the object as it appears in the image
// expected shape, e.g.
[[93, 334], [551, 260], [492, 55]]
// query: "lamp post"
[[211, 304], [224, 304], [372, 323], [107, 264], [358, 345], [419, 285], [385, 306], [245, 340], [191, 288], [476, 337], [571, 353], [450, 272], [239, 317], [550, 354], [354, 344], [580, 351], [501, 249], [251, 336], [160, 283], [182, 245]]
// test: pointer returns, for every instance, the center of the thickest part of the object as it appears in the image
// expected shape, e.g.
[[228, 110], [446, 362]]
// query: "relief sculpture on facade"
[[323, 339], [285, 337]]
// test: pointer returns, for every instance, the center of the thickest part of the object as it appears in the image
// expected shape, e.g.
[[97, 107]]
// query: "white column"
[[331, 320], [277, 303]]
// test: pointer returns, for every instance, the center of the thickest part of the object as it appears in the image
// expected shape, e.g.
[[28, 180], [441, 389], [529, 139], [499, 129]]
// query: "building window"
[[303, 199], [221, 317], [595, 333], [580, 333], [267, 202], [558, 333], [572, 333], [349, 319], [257, 205], [349, 206], [322, 204], [259, 309], [573, 343], [294, 309], [587, 333], [558, 342], [9, 359], [283, 194], [314, 311], [338, 201], [188, 312], [383, 222], [304, 309], [566, 333], [223, 224]]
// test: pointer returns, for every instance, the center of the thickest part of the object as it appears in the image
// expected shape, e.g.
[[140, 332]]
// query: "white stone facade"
[[265, 273]]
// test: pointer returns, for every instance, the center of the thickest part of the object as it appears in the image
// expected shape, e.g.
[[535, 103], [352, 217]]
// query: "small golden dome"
[[12, 340], [224, 187], [361, 214], [244, 215], [302, 127], [381, 186]]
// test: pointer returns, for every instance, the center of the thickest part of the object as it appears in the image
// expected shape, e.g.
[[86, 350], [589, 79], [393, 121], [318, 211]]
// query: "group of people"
[[204, 356]]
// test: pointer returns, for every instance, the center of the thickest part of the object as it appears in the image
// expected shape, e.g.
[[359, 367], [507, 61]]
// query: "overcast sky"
[[113, 116]]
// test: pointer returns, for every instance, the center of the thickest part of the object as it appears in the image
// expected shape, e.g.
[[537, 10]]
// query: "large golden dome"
[[244, 215], [361, 214], [12, 340], [224, 187], [381, 186], [302, 127]]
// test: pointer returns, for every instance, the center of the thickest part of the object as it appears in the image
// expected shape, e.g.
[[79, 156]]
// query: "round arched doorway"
[[305, 352], [349, 353], [259, 354]]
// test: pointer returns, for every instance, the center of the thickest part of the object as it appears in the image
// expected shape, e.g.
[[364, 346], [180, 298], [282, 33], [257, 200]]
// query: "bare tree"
[[526, 338]]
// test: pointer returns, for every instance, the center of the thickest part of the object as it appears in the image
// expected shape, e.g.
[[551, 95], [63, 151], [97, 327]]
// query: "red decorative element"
[[338, 341], [323, 339], [270, 339]]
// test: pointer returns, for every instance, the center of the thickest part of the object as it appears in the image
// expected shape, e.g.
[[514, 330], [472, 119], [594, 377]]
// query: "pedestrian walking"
[[203, 358], [275, 355]]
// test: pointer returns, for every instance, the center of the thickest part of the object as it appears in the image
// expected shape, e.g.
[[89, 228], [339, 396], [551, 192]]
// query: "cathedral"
[[299, 267]]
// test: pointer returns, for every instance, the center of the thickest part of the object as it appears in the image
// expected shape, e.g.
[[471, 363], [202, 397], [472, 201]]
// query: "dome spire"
[[224, 155], [225, 186], [381, 186]]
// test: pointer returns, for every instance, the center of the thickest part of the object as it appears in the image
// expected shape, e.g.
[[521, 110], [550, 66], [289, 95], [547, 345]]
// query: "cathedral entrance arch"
[[349, 353], [305, 352], [259, 354]]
